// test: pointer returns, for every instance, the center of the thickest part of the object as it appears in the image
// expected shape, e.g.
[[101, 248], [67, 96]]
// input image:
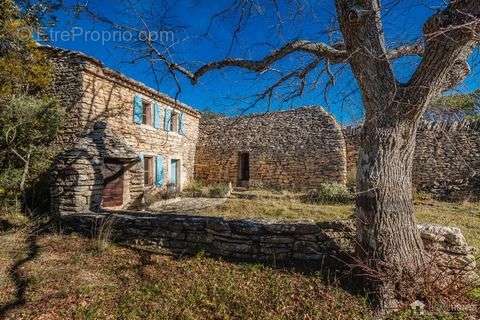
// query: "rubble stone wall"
[[447, 158], [296, 149], [260, 240]]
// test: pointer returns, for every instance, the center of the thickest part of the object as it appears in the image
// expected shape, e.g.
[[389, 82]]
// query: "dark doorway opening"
[[112, 194], [244, 162]]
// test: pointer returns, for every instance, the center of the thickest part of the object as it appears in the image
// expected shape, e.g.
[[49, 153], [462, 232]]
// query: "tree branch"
[[362, 31], [334, 54], [450, 37], [416, 49]]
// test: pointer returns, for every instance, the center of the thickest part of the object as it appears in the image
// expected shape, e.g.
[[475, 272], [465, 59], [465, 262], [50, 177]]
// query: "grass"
[[262, 204], [70, 280], [67, 277], [277, 209]]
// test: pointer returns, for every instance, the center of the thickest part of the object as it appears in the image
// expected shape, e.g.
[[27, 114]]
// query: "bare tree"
[[386, 231]]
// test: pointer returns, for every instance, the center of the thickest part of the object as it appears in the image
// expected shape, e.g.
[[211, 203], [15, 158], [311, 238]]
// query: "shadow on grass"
[[15, 273], [334, 271]]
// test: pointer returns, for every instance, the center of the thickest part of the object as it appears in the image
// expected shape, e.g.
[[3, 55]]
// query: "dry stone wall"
[[260, 240], [300, 149], [447, 158]]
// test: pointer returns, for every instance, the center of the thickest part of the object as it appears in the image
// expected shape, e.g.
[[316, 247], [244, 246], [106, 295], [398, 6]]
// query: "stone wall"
[[93, 94], [447, 158], [300, 148], [259, 240]]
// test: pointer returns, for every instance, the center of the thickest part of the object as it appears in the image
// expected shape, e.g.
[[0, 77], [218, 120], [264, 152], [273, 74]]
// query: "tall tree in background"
[[388, 239]]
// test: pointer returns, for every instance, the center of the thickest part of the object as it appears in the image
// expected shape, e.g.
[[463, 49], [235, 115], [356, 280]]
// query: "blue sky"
[[194, 38]]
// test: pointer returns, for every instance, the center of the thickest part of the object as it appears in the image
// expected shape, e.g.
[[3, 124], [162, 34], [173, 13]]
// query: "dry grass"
[[287, 206], [279, 209], [465, 215], [70, 280], [67, 277]]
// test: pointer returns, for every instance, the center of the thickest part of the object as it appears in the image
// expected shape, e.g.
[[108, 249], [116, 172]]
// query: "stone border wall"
[[258, 240], [447, 158]]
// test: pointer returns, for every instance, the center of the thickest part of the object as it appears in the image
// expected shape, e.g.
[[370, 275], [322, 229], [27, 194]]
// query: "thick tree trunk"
[[388, 240]]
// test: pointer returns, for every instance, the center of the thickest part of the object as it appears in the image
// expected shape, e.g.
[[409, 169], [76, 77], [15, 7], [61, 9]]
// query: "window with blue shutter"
[[157, 113], [168, 119], [181, 124], [159, 173], [137, 109]]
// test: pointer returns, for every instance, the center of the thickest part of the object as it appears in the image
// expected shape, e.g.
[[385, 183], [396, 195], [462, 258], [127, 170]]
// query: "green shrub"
[[28, 128], [329, 193], [220, 190], [195, 189]]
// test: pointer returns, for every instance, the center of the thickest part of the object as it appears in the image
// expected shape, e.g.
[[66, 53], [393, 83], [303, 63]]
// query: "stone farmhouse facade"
[[124, 139], [121, 137]]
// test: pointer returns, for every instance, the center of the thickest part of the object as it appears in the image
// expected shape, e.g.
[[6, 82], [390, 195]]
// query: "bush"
[[220, 190], [153, 195], [195, 189], [329, 193]]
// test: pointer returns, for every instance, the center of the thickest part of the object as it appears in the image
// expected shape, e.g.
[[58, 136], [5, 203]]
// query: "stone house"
[[295, 149], [121, 137]]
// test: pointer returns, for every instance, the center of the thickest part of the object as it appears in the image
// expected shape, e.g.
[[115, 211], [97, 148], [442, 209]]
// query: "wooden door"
[[112, 195]]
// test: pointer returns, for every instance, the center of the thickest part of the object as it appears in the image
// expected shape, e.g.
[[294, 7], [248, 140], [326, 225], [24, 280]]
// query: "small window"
[[148, 170], [147, 113], [174, 122]]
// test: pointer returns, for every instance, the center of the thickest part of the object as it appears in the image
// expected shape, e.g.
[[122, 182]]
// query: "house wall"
[[91, 95], [447, 158], [112, 100], [300, 148]]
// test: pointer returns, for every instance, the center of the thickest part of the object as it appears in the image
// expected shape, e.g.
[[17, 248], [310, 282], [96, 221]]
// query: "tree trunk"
[[388, 240]]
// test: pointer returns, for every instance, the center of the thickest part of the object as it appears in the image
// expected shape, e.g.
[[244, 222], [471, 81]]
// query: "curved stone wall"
[[299, 148]]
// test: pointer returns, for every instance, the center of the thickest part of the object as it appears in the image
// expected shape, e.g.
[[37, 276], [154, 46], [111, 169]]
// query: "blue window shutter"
[[168, 119], [181, 124], [159, 174], [157, 112], [137, 109], [141, 159]]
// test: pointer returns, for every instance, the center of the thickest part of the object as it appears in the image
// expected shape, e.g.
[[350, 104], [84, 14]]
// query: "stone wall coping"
[[270, 114], [445, 125]]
